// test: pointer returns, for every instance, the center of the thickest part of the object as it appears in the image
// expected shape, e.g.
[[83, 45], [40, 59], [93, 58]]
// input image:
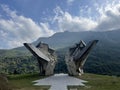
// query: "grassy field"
[[95, 82], [4, 85], [24, 82], [99, 82]]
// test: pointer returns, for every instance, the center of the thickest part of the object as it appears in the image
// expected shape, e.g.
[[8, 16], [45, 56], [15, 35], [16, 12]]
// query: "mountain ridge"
[[66, 39]]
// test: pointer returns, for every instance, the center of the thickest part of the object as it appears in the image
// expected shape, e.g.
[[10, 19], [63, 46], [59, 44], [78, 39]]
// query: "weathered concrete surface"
[[46, 57], [60, 81], [77, 55]]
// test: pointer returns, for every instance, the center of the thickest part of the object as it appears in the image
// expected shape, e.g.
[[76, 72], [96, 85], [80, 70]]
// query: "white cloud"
[[68, 22], [75, 23], [19, 29], [109, 17], [46, 28]]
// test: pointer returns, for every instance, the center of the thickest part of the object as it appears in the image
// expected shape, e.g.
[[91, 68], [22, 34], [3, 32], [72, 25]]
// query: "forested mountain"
[[104, 58]]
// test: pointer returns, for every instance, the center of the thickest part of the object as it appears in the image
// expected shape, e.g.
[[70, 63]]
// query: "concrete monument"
[[75, 58], [46, 57], [77, 55]]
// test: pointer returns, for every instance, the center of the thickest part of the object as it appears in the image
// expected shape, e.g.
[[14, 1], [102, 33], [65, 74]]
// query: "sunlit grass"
[[95, 82], [98, 82], [24, 82]]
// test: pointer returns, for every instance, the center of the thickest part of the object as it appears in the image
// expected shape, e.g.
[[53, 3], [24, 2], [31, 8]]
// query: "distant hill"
[[104, 58], [64, 39]]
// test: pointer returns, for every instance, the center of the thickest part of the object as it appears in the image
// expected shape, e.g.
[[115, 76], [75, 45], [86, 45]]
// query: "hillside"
[[104, 58], [65, 39]]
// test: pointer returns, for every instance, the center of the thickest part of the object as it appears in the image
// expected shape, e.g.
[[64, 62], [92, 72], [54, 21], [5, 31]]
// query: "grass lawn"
[[24, 82], [99, 82], [95, 82]]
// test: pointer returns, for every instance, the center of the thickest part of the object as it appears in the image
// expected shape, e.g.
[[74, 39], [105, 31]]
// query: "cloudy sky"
[[27, 20]]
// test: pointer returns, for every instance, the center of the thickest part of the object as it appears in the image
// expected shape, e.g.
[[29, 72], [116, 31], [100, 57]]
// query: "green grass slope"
[[24, 82], [95, 82], [99, 82]]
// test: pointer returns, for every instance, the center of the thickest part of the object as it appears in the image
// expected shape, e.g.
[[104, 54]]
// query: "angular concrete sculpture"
[[46, 57], [77, 55]]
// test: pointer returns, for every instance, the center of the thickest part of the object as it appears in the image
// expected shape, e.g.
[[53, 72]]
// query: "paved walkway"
[[59, 81]]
